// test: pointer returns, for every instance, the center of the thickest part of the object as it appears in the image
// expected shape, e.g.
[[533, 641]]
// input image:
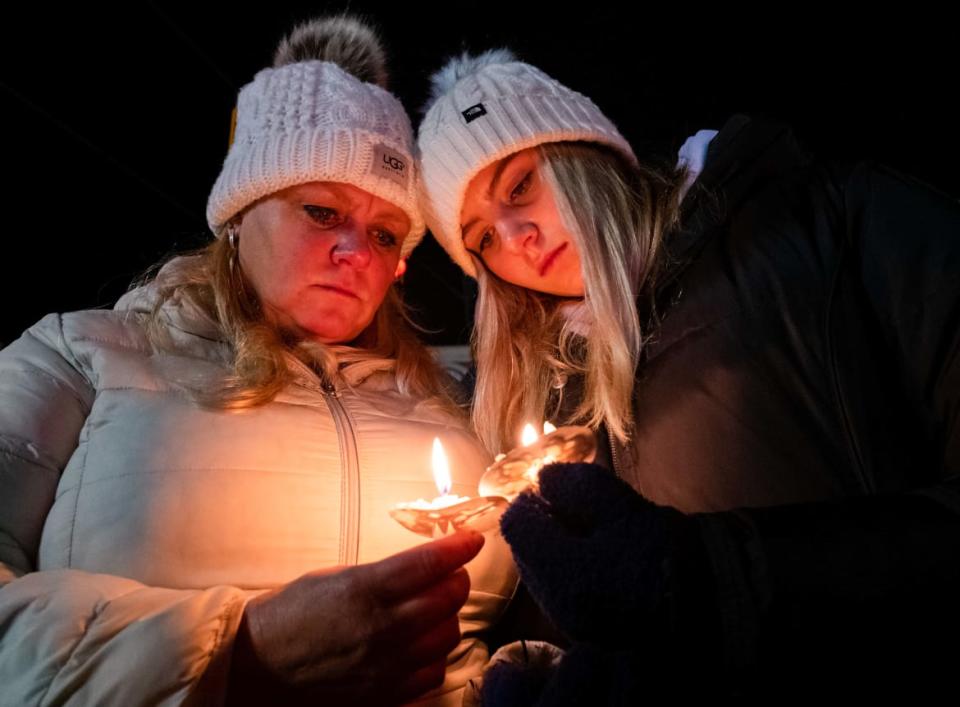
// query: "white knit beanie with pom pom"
[[482, 109], [310, 119]]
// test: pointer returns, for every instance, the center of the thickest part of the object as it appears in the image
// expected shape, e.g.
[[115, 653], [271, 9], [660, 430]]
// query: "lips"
[[337, 289], [550, 259]]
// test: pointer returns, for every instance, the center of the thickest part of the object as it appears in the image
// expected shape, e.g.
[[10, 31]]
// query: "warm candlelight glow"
[[448, 512], [529, 435], [519, 470], [441, 469]]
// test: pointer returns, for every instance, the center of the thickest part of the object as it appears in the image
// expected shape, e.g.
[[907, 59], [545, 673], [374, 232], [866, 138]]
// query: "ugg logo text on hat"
[[390, 164], [474, 112]]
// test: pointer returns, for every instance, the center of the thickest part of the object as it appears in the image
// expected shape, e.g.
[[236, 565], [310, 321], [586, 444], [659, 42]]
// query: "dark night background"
[[115, 121]]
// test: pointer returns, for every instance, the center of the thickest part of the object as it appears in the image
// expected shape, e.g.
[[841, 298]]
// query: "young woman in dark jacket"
[[768, 347]]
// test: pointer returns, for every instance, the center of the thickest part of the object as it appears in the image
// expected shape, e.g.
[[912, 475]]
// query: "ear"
[[401, 268]]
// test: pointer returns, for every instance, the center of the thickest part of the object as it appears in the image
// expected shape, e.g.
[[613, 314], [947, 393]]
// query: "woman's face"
[[321, 257], [511, 221]]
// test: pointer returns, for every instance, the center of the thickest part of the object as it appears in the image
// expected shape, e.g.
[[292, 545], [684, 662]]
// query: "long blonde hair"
[[265, 358], [524, 344]]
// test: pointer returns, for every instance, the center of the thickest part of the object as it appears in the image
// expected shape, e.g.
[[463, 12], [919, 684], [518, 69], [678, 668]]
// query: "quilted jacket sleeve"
[[77, 638], [44, 400], [73, 637]]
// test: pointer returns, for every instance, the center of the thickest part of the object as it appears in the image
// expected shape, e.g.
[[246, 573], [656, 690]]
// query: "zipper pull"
[[329, 388]]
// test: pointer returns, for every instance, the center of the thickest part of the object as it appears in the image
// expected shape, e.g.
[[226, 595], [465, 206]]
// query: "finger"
[[584, 494], [413, 570], [437, 603]]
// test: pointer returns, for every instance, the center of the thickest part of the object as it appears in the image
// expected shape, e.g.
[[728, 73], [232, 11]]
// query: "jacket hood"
[[745, 154], [178, 312]]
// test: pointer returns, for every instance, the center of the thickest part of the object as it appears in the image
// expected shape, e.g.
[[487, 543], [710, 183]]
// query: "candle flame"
[[441, 469], [548, 428], [529, 435]]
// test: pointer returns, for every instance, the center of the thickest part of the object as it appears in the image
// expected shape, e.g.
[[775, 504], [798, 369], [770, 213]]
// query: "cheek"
[[255, 260], [509, 268], [383, 267], [276, 269]]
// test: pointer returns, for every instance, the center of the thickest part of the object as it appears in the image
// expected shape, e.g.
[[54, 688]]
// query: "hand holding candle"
[[409, 599], [519, 470], [448, 512]]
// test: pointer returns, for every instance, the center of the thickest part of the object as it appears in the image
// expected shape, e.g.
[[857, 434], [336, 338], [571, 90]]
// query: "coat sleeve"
[[77, 638], [44, 400], [73, 637], [868, 584]]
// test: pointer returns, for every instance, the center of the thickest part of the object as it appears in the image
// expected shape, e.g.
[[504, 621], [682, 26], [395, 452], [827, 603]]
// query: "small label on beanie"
[[390, 164], [474, 112]]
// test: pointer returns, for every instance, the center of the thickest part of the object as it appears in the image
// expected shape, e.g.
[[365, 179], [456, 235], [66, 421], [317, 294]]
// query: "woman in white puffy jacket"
[[195, 486]]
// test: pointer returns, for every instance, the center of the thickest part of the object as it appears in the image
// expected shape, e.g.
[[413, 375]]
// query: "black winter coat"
[[800, 394]]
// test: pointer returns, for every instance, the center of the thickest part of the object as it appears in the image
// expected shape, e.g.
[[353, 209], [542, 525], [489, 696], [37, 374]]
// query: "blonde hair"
[[524, 345], [265, 358]]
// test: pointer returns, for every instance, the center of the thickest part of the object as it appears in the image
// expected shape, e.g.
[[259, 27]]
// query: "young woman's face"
[[321, 257], [511, 221]]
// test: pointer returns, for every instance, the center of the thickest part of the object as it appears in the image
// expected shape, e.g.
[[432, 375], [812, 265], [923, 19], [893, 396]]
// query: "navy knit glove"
[[595, 555]]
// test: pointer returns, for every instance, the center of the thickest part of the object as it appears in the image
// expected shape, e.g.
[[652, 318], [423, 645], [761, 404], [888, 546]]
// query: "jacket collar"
[[185, 316]]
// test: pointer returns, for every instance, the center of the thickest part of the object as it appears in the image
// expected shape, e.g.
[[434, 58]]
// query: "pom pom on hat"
[[457, 68], [313, 121], [342, 40]]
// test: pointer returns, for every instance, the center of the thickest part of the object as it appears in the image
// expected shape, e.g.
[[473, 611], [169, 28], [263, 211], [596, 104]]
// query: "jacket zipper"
[[350, 477]]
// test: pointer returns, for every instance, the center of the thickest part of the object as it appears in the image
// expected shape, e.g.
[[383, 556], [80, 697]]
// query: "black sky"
[[116, 121]]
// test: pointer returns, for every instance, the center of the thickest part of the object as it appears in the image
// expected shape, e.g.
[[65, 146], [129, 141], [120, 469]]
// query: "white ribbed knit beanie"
[[310, 119], [482, 109]]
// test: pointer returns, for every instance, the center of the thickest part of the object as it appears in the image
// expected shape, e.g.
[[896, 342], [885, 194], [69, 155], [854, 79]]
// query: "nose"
[[351, 246], [519, 235]]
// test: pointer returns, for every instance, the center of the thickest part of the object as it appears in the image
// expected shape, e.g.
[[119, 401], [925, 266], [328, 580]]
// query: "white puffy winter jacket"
[[134, 524]]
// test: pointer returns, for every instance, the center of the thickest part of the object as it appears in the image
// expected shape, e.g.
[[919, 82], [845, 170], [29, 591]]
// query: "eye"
[[323, 215], [385, 238], [522, 187], [486, 240]]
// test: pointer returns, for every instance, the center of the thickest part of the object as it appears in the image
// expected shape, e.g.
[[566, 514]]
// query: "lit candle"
[[441, 477], [528, 436], [519, 470], [447, 512]]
